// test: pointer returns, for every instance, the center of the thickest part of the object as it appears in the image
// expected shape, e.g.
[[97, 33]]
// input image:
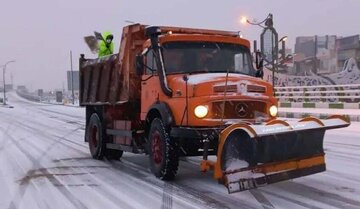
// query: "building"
[[348, 47], [316, 54]]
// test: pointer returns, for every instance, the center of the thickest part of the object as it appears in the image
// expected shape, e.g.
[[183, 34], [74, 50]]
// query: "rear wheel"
[[163, 152], [94, 135]]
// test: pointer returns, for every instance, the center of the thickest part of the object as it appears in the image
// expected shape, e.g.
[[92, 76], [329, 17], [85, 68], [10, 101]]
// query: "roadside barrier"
[[324, 96]]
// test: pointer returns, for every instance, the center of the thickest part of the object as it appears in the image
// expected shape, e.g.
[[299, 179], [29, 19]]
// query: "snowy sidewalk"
[[353, 114]]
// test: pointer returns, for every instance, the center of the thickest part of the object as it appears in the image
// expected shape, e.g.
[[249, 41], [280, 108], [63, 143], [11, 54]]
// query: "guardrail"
[[29, 96], [46, 99], [349, 93]]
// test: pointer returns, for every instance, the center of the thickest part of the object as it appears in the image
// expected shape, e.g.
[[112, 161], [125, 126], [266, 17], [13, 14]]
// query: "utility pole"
[[315, 53], [12, 80], [4, 69], [4, 99], [72, 79]]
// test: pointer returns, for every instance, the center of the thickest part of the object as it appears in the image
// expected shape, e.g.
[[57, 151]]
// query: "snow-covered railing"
[[349, 93]]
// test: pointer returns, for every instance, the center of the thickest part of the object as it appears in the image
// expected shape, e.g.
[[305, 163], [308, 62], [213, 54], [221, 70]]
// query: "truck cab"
[[208, 81]]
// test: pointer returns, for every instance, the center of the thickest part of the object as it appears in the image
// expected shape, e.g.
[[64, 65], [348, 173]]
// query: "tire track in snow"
[[65, 121], [106, 189], [348, 146], [105, 193], [182, 191], [29, 105], [261, 199], [62, 114], [211, 198], [32, 129], [167, 197], [48, 136], [35, 164], [297, 202], [43, 124], [348, 177], [318, 195]]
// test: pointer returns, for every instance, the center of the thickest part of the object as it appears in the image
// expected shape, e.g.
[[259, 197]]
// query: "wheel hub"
[[156, 148], [94, 136]]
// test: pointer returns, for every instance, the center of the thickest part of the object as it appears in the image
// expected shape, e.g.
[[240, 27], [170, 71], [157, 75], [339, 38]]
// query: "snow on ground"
[[45, 163]]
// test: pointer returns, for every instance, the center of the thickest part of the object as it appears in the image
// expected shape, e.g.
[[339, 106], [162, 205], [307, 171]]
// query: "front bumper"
[[195, 133]]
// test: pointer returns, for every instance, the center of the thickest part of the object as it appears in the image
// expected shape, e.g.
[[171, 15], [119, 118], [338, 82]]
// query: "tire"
[[163, 152], [95, 136]]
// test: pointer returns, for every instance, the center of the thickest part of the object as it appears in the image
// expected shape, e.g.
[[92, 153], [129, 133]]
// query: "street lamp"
[[270, 54], [282, 41], [284, 38], [244, 20], [267, 21], [4, 68]]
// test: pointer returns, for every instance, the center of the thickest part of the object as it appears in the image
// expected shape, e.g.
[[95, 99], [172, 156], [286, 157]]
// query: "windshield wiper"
[[199, 71]]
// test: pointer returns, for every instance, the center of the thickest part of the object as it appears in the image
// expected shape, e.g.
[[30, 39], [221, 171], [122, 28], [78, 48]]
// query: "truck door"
[[150, 85]]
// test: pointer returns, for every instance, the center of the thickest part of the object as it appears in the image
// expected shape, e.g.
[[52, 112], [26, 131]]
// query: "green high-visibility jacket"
[[105, 50]]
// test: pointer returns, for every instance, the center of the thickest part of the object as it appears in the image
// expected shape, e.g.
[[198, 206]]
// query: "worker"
[[106, 46]]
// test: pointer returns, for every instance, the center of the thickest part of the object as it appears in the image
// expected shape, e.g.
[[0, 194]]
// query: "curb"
[[323, 105], [353, 118]]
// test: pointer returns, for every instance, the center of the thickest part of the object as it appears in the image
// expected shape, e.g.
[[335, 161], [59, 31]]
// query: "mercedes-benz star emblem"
[[241, 109]]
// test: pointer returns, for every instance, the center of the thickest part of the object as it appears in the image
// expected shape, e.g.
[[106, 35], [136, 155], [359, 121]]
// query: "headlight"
[[273, 110], [201, 111]]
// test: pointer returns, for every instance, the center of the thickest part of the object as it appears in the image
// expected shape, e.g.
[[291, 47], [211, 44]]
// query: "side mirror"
[[259, 73], [139, 64], [259, 61]]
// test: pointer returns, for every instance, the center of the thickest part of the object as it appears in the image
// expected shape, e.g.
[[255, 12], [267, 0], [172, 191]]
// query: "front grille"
[[238, 109], [221, 89], [256, 89]]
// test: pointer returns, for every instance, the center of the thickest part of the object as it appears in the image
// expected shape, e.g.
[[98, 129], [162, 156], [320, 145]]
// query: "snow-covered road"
[[45, 163]]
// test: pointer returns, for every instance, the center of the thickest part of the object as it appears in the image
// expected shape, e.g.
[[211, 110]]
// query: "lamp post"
[[282, 41], [4, 69], [270, 49], [72, 79]]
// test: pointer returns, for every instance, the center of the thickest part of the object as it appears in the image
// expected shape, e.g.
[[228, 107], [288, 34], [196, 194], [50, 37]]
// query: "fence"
[[325, 93]]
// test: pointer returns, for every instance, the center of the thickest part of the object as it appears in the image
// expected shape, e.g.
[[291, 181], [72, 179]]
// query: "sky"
[[39, 34]]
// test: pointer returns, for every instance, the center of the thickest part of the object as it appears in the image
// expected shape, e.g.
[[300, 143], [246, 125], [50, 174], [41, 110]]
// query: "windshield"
[[196, 57]]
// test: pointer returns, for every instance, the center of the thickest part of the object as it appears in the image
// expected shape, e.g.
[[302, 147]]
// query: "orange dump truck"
[[174, 91]]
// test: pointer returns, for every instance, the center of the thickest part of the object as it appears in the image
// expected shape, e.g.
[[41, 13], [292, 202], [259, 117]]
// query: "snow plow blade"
[[250, 156]]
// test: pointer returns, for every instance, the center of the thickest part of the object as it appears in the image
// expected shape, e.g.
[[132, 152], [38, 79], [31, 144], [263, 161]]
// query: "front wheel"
[[163, 152]]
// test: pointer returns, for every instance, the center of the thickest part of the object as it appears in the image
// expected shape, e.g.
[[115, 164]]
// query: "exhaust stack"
[[153, 33]]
